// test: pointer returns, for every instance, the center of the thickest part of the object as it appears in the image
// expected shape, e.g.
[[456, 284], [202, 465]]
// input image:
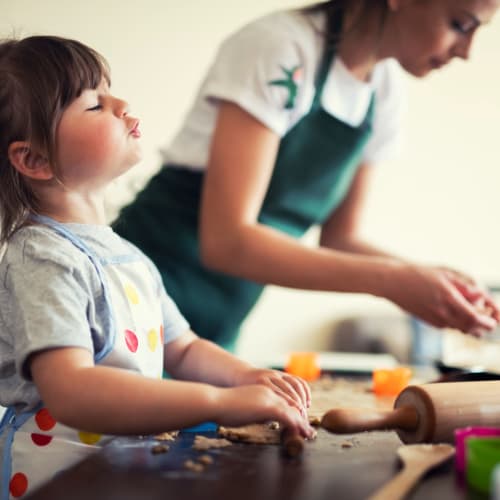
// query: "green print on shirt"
[[291, 81]]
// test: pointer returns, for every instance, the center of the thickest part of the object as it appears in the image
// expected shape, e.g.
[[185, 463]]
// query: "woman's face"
[[427, 34]]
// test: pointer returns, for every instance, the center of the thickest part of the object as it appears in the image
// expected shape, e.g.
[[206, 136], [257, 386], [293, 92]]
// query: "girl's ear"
[[28, 162]]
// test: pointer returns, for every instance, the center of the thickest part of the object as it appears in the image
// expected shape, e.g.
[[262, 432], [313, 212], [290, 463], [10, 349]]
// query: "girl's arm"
[[114, 401], [233, 241], [192, 358]]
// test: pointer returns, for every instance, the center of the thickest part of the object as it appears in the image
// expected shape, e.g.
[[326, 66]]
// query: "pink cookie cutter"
[[461, 435]]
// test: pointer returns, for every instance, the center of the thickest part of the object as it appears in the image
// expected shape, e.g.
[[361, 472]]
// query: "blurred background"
[[436, 202]]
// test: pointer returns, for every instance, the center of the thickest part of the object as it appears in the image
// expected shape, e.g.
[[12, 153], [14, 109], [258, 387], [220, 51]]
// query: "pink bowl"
[[460, 437]]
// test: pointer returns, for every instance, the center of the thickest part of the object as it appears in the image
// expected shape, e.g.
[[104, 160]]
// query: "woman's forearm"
[[263, 254], [358, 247]]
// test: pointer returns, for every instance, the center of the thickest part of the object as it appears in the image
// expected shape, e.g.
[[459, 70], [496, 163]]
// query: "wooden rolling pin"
[[426, 413]]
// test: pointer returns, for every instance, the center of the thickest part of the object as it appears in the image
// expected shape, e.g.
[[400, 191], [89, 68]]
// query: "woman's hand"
[[248, 404], [474, 293], [294, 390], [444, 298]]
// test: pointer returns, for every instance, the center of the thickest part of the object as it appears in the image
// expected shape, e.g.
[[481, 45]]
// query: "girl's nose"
[[121, 107], [462, 48]]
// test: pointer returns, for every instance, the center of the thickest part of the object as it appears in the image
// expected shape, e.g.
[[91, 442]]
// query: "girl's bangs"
[[78, 68]]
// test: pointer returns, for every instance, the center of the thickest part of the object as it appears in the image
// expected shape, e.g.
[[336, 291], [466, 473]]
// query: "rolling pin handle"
[[405, 418], [347, 421]]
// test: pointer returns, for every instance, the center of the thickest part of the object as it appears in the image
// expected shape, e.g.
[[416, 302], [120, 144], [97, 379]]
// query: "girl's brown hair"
[[39, 78]]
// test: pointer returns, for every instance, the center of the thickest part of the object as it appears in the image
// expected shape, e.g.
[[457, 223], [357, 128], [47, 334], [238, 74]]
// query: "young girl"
[[84, 317], [292, 116]]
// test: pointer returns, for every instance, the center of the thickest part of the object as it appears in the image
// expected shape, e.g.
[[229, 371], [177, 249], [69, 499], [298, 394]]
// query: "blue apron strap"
[[81, 245], [9, 424], [7, 417]]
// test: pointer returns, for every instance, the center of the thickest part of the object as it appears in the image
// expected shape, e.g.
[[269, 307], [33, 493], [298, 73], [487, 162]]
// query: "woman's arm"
[[233, 241], [114, 401], [341, 230]]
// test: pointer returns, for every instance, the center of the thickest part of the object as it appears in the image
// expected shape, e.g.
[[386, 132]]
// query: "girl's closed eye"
[[463, 28], [95, 108]]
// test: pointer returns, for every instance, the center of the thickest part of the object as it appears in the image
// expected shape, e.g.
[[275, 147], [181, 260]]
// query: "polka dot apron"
[[38, 447]]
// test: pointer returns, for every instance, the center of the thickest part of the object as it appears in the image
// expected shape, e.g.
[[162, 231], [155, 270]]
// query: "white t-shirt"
[[260, 53]]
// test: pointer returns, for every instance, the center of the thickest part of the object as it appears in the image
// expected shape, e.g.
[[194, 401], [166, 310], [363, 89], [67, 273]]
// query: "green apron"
[[315, 166]]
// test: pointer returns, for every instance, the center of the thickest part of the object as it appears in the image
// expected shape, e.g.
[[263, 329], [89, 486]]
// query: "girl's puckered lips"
[[134, 131]]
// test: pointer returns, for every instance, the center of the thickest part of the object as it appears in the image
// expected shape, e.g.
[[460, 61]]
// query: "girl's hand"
[[294, 390], [248, 404], [444, 298]]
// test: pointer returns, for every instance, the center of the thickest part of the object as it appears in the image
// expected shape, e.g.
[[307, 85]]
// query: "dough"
[[328, 393], [253, 433], [205, 459], [204, 443], [194, 466], [159, 448], [167, 436], [314, 421]]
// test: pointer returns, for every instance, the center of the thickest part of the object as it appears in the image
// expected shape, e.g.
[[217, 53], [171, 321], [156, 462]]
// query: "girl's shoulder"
[[40, 243], [36, 246]]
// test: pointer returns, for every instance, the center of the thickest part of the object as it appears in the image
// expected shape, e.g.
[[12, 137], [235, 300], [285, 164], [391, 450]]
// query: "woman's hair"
[[362, 9], [40, 76]]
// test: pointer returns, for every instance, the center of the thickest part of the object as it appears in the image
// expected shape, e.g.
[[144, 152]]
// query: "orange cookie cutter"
[[304, 365], [391, 381]]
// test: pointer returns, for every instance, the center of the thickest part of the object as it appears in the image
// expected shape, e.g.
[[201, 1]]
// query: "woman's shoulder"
[[268, 68], [277, 30]]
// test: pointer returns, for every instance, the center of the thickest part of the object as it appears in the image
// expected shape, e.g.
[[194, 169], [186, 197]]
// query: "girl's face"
[[428, 34], [96, 139]]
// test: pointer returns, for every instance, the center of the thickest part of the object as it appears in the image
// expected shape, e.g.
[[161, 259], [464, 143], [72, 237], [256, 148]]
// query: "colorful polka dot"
[[18, 485], [152, 339], [131, 340], [131, 293], [89, 437], [41, 439], [44, 420]]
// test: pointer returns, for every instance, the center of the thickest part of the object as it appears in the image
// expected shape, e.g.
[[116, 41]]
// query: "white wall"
[[438, 202]]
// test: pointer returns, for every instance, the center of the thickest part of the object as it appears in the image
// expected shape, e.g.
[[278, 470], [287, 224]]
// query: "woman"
[[287, 125]]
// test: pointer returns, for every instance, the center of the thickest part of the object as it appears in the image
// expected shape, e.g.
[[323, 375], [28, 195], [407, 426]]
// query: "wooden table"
[[329, 469]]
